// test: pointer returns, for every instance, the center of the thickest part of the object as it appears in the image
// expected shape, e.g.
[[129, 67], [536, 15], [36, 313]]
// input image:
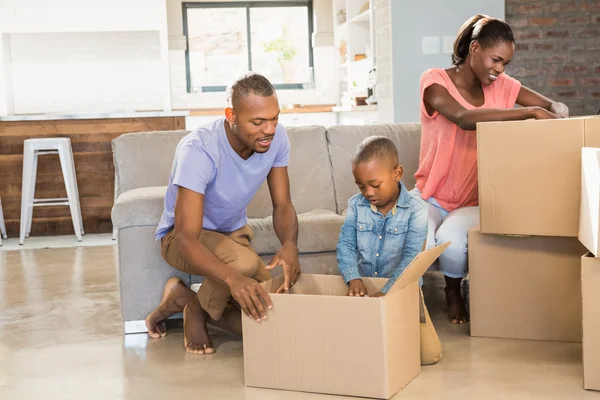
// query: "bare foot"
[[457, 312], [175, 296], [231, 321], [195, 334]]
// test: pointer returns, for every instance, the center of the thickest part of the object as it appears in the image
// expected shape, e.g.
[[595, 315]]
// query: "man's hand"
[[356, 287], [287, 257], [251, 296]]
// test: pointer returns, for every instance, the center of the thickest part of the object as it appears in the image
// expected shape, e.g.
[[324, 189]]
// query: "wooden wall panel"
[[91, 143]]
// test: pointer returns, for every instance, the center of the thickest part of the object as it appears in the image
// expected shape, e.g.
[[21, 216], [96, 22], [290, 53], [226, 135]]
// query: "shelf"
[[363, 18], [364, 61], [341, 27]]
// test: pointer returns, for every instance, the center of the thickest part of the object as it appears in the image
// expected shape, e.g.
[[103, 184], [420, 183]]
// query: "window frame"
[[248, 5]]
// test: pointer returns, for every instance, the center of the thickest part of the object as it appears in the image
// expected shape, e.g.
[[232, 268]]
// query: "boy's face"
[[378, 180]]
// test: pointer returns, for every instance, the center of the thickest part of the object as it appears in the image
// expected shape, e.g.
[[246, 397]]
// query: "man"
[[203, 231]]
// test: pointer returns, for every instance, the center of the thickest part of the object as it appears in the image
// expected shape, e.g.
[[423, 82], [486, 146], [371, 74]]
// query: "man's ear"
[[230, 115]]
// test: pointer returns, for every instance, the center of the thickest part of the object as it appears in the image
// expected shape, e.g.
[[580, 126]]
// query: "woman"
[[453, 101]]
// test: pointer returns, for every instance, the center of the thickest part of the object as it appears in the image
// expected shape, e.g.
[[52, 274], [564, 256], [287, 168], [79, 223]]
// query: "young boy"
[[385, 228]]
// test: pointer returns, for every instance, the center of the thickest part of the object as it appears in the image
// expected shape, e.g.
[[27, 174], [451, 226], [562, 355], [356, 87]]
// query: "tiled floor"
[[61, 338]]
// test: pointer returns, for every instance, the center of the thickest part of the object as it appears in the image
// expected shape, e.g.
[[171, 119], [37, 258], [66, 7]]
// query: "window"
[[224, 40]]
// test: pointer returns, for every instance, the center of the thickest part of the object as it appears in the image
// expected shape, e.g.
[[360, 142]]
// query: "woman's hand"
[[560, 109], [542, 113]]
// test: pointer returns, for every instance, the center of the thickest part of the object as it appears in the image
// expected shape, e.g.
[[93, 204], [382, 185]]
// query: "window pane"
[[218, 46], [280, 43]]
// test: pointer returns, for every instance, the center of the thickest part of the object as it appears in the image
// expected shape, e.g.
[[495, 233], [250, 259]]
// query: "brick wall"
[[558, 50]]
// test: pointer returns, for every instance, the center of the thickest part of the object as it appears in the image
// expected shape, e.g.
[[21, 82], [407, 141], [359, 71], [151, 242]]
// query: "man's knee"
[[244, 261]]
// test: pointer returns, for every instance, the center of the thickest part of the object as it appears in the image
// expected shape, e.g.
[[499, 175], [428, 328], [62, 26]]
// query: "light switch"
[[431, 45], [449, 44]]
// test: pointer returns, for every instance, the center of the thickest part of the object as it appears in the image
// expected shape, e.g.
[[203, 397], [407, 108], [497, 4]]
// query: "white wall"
[[27, 16], [6, 97], [84, 72], [409, 23], [84, 55]]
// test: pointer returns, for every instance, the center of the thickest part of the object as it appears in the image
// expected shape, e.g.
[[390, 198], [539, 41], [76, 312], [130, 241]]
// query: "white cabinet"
[[358, 116], [304, 119], [41, 16]]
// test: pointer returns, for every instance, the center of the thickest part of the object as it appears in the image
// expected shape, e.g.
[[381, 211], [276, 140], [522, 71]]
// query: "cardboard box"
[[590, 287], [589, 210], [530, 175], [316, 339], [525, 287]]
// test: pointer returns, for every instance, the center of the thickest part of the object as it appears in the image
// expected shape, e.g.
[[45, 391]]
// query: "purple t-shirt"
[[206, 163]]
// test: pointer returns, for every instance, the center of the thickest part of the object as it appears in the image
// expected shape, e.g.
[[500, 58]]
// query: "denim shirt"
[[375, 245]]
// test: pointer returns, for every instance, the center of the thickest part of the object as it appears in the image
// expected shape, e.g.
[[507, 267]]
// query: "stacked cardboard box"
[[589, 226], [525, 262]]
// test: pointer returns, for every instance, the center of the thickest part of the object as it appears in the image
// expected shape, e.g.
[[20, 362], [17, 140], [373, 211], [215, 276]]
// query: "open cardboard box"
[[316, 339], [530, 175]]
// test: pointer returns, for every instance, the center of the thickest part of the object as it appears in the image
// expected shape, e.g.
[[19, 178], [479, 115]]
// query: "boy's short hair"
[[375, 148]]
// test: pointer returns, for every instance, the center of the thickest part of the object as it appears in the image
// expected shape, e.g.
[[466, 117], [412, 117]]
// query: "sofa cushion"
[[311, 185], [144, 159], [343, 141], [318, 231], [139, 207]]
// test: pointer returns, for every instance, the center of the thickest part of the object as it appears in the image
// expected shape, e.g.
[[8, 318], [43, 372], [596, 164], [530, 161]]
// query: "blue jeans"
[[444, 226]]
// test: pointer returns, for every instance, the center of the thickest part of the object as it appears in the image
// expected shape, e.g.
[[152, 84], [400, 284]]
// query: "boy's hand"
[[356, 287], [378, 294]]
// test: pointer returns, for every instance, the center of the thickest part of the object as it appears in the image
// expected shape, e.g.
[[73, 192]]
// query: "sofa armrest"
[[139, 207]]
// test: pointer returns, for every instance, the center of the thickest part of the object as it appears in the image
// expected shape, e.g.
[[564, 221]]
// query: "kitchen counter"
[[316, 108], [99, 115]]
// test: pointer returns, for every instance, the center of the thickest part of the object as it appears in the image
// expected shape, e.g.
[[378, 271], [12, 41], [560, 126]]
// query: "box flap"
[[418, 267], [272, 285], [311, 284], [589, 210]]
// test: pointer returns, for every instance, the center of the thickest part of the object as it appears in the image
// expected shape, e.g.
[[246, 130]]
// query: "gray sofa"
[[321, 184]]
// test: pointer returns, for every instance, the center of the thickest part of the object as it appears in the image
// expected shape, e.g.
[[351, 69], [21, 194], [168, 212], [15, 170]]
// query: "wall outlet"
[[431, 45]]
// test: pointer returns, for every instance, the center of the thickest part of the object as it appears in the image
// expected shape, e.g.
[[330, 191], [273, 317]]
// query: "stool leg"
[[32, 194], [25, 189], [2, 225], [68, 169], [76, 189]]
